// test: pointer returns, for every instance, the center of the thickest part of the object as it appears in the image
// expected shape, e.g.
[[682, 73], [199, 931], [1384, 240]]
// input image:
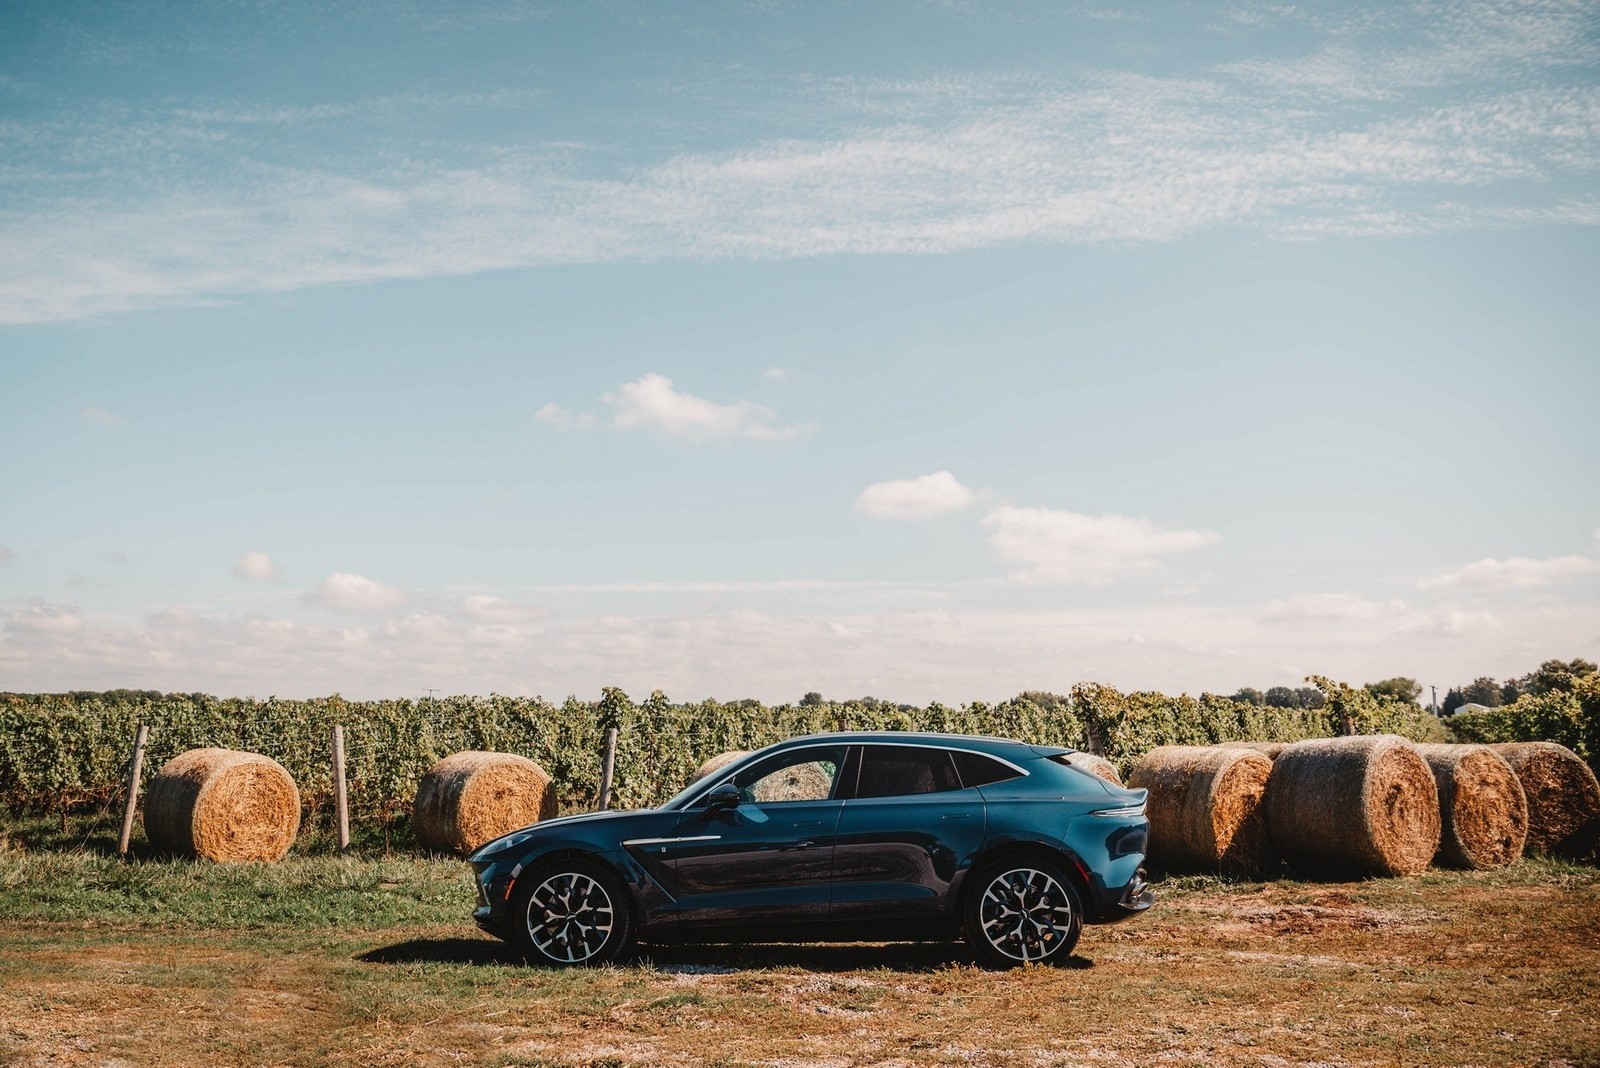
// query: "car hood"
[[533, 831]]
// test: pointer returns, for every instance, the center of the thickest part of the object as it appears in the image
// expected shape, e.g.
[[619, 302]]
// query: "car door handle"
[[808, 823], [957, 815]]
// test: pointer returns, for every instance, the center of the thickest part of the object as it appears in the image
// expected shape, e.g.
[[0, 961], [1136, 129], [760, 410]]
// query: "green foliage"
[[1568, 716], [1350, 710], [1398, 688], [66, 751]]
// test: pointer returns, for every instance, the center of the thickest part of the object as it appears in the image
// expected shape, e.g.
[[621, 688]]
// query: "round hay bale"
[[1483, 815], [1353, 806], [717, 763], [222, 805], [1205, 807], [800, 782], [1096, 765], [1563, 797], [471, 798], [1270, 750]]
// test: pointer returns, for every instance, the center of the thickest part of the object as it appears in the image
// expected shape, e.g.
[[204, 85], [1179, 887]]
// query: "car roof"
[[982, 743]]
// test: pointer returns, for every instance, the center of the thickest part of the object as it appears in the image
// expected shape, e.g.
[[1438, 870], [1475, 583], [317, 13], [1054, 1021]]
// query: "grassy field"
[[373, 961]]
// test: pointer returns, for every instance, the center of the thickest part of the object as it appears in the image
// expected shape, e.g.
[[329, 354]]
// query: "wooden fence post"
[[608, 763], [341, 803], [133, 789]]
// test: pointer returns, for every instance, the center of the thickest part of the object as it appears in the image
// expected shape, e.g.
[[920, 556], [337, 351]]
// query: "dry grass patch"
[[1451, 968]]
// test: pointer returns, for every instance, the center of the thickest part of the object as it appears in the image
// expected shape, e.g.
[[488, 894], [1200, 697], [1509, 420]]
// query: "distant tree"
[[1309, 697], [1452, 701], [1399, 688], [1510, 691], [1555, 675], [1282, 697], [1483, 691], [1251, 696], [811, 700]]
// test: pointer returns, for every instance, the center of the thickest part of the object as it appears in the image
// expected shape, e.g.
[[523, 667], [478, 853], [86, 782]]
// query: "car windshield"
[[688, 793]]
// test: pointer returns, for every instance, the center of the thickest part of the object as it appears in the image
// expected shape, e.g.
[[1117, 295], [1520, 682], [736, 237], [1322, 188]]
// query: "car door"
[[767, 859], [906, 828]]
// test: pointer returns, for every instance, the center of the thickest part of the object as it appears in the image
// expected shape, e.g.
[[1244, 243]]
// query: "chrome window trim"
[[670, 841], [734, 769], [727, 774]]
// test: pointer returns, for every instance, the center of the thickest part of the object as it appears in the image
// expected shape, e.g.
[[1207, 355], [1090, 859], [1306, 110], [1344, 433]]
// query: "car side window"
[[798, 775], [979, 770], [900, 770]]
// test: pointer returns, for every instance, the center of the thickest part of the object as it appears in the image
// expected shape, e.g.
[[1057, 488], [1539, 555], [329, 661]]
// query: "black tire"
[[570, 913], [1022, 910]]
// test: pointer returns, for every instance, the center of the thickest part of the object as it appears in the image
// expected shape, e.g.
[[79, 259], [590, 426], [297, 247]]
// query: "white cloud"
[[1331, 606], [1517, 572], [1058, 546], [257, 565], [914, 498], [554, 415], [490, 609], [652, 403], [950, 654], [778, 374], [344, 592], [100, 415]]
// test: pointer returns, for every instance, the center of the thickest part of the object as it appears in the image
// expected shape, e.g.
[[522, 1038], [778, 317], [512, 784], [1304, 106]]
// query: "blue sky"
[[931, 351]]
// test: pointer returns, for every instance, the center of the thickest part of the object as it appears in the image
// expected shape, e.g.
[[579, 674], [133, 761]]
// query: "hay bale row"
[[1332, 806], [222, 805]]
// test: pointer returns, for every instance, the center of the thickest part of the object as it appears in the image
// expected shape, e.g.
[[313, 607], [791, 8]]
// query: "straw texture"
[[223, 805], [1346, 807], [1205, 807], [469, 799], [1483, 815]]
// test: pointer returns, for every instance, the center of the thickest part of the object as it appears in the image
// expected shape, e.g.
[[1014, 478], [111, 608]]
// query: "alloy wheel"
[[1026, 915], [570, 917]]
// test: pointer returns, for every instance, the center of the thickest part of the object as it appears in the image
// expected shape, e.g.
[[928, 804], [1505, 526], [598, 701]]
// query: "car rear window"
[[979, 770]]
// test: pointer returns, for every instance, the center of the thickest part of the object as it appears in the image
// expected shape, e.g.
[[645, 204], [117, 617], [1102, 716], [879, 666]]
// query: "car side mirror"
[[722, 797]]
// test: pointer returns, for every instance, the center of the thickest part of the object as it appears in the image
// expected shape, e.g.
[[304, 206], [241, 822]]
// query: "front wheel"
[[570, 913], [1023, 911]]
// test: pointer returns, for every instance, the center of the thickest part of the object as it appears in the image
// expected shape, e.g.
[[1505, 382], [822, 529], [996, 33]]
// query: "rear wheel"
[[1022, 911], [571, 913]]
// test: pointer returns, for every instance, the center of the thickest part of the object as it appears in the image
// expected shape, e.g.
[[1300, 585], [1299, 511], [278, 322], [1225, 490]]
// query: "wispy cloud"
[[1331, 606], [1056, 546], [653, 403], [1486, 120], [1514, 573], [99, 415], [915, 498]]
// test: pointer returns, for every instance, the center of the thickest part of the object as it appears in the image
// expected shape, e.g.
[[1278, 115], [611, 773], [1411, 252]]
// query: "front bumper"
[[494, 886]]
